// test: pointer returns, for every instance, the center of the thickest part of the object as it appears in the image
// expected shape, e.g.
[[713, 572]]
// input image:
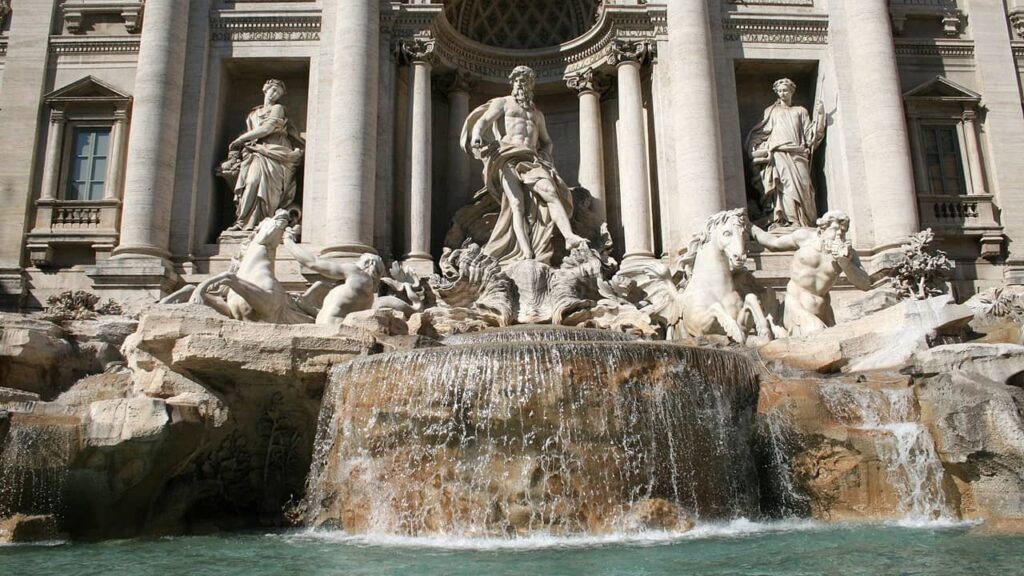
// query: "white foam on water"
[[734, 529]]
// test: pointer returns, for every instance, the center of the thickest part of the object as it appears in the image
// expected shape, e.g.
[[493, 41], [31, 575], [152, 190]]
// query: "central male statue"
[[510, 136]]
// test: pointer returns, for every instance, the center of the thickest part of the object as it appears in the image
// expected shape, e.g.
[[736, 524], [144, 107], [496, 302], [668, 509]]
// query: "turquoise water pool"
[[739, 548]]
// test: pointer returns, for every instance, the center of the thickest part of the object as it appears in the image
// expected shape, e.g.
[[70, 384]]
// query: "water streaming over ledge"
[[534, 430], [904, 445]]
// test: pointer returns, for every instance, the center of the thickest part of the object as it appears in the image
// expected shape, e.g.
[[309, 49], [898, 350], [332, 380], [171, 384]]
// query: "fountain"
[[535, 430]]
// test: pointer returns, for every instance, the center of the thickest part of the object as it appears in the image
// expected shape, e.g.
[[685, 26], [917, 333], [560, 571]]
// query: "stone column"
[[352, 149], [634, 180], [699, 189], [153, 143], [589, 85], [419, 53], [51, 163], [114, 168], [883, 127], [974, 153], [459, 167]]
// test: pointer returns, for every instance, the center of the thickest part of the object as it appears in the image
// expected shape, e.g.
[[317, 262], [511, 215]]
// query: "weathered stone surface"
[[1001, 363], [33, 354], [979, 434], [658, 514], [124, 420], [873, 301], [23, 529], [197, 342], [833, 467], [884, 340]]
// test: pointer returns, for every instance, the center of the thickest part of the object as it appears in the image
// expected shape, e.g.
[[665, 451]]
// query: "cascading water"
[[533, 430], [905, 446], [35, 456]]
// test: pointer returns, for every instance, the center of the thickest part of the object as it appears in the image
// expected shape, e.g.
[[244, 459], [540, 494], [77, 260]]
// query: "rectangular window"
[[943, 160], [87, 170]]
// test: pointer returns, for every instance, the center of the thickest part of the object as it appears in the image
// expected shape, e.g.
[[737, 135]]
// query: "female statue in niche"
[[780, 148], [262, 161]]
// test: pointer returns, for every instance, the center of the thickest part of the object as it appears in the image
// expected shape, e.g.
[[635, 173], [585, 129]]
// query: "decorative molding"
[[773, 2], [265, 27], [628, 51], [647, 23], [588, 80], [75, 11], [761, 30], [420, 48], [94, 45], [913, 48]]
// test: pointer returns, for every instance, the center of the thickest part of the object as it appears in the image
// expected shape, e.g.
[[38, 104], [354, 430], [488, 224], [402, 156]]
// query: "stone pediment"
[[942, 89], [88, 89]]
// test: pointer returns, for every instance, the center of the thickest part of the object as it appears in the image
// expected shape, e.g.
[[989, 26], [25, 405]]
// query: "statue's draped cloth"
[[266, 177], [790, 138], [530, 169]]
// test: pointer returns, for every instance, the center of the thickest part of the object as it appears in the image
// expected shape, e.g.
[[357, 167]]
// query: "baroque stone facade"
[[117, 115]]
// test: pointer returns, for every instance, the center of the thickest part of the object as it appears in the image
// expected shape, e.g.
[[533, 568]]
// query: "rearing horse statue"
[[252, 290], [711, 304]]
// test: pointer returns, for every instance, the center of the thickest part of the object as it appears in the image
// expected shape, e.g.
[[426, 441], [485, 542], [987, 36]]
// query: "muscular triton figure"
[[510, 136], [822, 255], [358, 288]]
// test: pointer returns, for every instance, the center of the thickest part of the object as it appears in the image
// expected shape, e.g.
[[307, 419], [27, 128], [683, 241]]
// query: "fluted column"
[[634, 180], [699, 189], [889, 175], [459, 167], [420, 54], [51, 162], [352, 148], [589, 85], [153, 142]]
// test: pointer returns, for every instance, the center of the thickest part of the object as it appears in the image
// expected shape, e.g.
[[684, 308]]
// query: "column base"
[[13, 288], [347, 251], [634, 257], [134, 281], [421, 265]]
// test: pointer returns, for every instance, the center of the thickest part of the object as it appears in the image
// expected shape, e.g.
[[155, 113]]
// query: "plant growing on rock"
[[922, 270], [78, 305]]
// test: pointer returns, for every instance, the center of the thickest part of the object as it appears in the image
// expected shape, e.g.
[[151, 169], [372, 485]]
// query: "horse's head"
[[271, 230], [726, 233]]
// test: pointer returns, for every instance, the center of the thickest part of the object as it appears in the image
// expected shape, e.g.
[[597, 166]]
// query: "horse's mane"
[[710, 225]]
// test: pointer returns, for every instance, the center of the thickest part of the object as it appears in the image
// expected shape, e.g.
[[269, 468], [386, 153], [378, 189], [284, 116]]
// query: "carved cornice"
[[94, 45], [761, 30], [265, 26], [588, 80], [957, 49], [646, 23]]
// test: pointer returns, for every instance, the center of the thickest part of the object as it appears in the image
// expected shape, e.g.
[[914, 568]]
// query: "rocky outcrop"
[[44, 358], [979, 435], [209, 421], [24, 529], [882, 341]]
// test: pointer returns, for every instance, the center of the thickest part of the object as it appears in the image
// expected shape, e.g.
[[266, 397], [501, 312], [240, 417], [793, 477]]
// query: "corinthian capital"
[[629, 51], [419, 48], [587, 80]]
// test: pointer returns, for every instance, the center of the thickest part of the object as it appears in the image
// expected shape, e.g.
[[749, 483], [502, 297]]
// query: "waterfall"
[[514, 433], [35, 457], [903, 444]]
